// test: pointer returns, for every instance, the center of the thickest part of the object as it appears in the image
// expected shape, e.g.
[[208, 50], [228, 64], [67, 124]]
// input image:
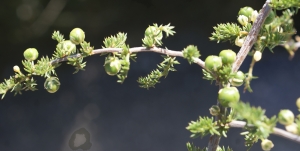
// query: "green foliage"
[[258, 125], [163, 70], [285, 4], [190, 53], [225, 32], [192, 147], [117, 41], [153, 35], [203, 127]]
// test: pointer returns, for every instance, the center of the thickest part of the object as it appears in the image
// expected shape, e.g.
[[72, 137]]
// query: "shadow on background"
[[126, 117]]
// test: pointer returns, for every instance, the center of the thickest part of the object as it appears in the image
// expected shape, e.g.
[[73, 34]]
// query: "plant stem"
[[133, 50], [247, 45], [276, 131]]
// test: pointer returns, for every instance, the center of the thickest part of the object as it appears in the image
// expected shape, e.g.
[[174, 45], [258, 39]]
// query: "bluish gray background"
[[124, 117]]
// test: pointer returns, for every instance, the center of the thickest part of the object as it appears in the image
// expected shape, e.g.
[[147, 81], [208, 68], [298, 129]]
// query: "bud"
[[67, 47], [17, 69], [52, 84], [267, 145], [257, 56], [246, 11], [77, 36], [243, 20], [214, 110], [298, 103], [238, 79], [31, 54], [292, 128], [239, 41], [286, 117], [254, 16], [279, 29]]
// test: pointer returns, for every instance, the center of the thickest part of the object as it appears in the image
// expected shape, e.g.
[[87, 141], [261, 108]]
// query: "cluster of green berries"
[[214, 64], [247, 15], [67, 47]]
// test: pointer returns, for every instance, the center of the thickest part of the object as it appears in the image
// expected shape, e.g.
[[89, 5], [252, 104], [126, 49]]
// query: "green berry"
[[31, 54], [246, 11], [214, 110], [228, 95], [286, 117], [213, 63], [77, 36], [112, 66], [228, 56], [67, 47], [270, 17], [238, 79], [52, 84], [267, 145]]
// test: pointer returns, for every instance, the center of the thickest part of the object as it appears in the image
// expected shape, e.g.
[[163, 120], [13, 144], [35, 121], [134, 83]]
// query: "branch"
[[133, 50], [276, 131], [252, 37], [247, 45]]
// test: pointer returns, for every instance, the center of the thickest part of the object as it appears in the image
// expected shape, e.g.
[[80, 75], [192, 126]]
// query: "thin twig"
[[172, 53], [247, 45], [276, 131]]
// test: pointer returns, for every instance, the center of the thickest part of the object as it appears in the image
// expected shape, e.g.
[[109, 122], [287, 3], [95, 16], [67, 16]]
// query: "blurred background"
[[124, 117]]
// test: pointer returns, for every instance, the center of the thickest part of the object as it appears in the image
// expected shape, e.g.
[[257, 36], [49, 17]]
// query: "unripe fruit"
[[238, 79], [153, 31], [239, 41], [246, 11], [31, 54], [67, 47], [77, 36], [286, 117], [52, 84], [214, 110], [228, 56], [254, 16], [267, 145], [213, 63], [112, 66], [243, 20], [228, 95], [298, 103], [270, 17], [292, 128]]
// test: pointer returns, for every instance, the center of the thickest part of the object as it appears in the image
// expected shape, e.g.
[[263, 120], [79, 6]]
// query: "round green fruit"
[[31, 54], [286, 117], [270, 17], [228, 95], [52, 84], [112, 66], [153, 31], [77, 36], [213, 63], [228, 56], [246, 11], [238, 79], [67, 47]]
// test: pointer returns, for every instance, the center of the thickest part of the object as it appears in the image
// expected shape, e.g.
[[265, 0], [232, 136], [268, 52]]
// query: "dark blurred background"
[[124, 117]]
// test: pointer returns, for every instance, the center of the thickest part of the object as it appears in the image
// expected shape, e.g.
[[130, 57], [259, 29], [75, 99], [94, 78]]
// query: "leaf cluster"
[[190, 53], [259, 126], [284, 4], [203, 127], [162, 71], [153, 35]]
